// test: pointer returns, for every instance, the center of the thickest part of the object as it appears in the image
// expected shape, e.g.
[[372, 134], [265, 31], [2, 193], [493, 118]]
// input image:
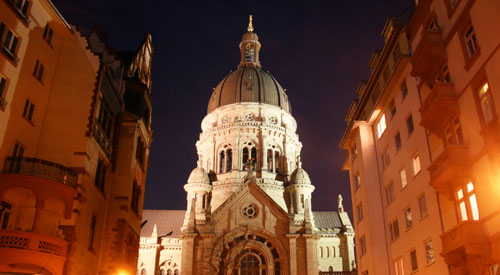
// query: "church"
[[249, 198]]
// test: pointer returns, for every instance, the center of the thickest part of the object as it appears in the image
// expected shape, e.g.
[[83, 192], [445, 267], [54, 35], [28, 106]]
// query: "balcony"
[[102, 139], [18, 247], [450, 169], [40, 168], [439, 107], [466, 239], [429, 55]]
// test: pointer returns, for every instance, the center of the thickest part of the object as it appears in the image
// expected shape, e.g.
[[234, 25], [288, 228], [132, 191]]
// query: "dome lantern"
[[249, 48]]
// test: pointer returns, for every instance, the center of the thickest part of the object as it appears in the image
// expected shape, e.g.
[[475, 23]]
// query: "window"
[[105, 118], [398, 266], [394, 230], [422, 204], [21, 6], [18, 150], [29, 109], [409, 124], [226, 159], [359, 211], [386, 159], [397, 139], [470, 41], [486, 102], [93, 222], [357, 181], [38, 71], [47, 34], [433, 26], [381, 126], [416, 164], [354, 150], [134, 200], [402, 177], [100, 175], [453, 133], [392, 107], [467, 202], [389, 193], [413, 258], [249, 154], [3, 84], [404, 89], [140, 151], [443, 76], [408, 218], [5, 211], [249, 265], [362, 246], [429, 252], [9, 41], [273, 159]]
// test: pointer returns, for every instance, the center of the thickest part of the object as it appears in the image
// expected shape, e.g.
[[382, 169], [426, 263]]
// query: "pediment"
[[250, 206]]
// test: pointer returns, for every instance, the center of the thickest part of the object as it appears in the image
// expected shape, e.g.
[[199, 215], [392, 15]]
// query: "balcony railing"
[[102, 139], [40, 168], [21, 11], [33, 242]]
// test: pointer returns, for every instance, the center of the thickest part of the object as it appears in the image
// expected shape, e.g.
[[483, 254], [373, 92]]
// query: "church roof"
[[166, 220], [327, 219]]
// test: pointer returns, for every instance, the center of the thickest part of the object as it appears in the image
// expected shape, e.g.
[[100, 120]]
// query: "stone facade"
[[248, 199]]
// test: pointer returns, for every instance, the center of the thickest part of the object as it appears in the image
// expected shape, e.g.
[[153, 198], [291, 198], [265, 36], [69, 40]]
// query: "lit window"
[[38, 71], [422, 204], [29, 109], [453, 133], [486, 103], [381, 126], [467, 202], [397, 139], [409, 125], [416, 164], [413, 258], [470, 41], [402, 177], [429, 252], [398, 266], [389, 193], [408, 218], [394, 230]]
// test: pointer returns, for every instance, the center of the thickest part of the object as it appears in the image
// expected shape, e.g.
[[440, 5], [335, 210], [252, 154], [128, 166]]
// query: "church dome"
[[199, 175], [300, 176], [249, 84]]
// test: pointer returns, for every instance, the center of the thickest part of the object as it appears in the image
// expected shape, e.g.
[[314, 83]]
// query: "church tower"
[[249, 198]]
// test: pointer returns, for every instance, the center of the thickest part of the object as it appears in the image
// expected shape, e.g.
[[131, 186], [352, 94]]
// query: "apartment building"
[[396, 216], [451, 158], [75, 133]]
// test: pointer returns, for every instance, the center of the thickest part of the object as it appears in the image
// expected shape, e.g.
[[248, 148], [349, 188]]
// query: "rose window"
[[226, 119], [273, 120], [250, 211], [249, 117]]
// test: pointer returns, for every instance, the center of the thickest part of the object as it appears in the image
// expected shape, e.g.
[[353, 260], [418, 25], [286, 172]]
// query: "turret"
[[300, 190], [198, 190]]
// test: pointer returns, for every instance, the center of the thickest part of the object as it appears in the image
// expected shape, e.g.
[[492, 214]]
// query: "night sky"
[[317, 49]]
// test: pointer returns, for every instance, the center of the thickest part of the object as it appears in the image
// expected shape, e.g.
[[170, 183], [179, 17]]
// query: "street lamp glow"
[[122, 272]]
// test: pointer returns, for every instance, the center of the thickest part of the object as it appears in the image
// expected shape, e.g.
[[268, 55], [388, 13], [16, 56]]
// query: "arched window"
[[330, 269], [169, 272], [321, 251], [221, 163], [334, 252], [162, 271], [249, 265], [143, 271], [229, 160], [270, 162], [204, 201], [176, 272], [249, 153], [327, 251], [277, 268], [302, 201], [277, 162]]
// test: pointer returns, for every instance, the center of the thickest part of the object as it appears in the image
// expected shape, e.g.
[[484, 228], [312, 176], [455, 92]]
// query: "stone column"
[[293, 253], [312, 254], [187, 255], [40, 205]]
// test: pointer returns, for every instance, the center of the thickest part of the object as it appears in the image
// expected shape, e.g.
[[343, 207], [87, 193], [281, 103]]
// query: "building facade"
[[429, 145], [248, 199], [71, 111]]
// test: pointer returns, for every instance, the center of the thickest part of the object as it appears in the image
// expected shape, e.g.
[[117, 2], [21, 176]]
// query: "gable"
[[251, 207]]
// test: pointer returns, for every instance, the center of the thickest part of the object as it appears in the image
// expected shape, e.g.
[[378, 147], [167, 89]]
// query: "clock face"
[[273, 120], [226, 119], [249, 117]]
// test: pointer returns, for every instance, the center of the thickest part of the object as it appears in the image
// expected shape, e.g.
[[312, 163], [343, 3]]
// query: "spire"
[[299, 162], [250, 47], [250, 25]]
